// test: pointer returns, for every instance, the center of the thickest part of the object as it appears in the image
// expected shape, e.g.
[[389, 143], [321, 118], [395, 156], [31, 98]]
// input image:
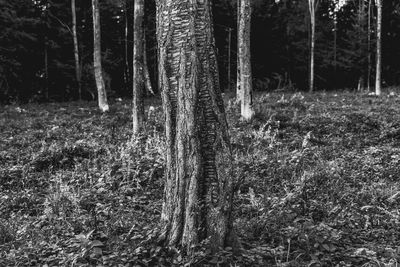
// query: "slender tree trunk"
[[127, 72], [378, 90], [288, 49], [369, 47], [312, 7], [238, 70], [229, 59], [76, 50], [198, 186], [98, 72], [361, 19], [147, 79], [138, 74], [46, 55], [246, 86], [335, 48]]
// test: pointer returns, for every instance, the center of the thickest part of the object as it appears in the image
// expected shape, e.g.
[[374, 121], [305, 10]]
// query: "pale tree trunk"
[[369, 47], [147, 79], [238, 91], [138, 74], [378, 90], [246, 85], [126, 43], [98, 72], [312, 9], [361, 21], [76, 50], [198, 186]]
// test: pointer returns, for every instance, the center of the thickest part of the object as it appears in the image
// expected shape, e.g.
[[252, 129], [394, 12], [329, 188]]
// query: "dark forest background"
[[33, 32]]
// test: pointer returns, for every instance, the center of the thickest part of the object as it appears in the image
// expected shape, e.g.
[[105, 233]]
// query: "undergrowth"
[[318, 184]]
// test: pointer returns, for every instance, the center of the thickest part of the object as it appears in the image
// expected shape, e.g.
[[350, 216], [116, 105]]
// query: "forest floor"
[[319, 184]]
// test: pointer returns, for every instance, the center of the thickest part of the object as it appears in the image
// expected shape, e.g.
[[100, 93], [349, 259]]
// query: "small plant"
[[60, 202], [7, 233]]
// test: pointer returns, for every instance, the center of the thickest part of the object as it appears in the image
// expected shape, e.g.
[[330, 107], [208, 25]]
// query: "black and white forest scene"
[[200, 133]]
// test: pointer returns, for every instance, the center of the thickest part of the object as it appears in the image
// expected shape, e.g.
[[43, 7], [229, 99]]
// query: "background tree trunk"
[[147, 79], [335, 45], [378, 90], [138, 74], [98, 72], [198, 187], [229, 59], [246, 85], [238, 70], [369, 47], [312, 7], [361, 45], [126, 43], [76, 50]]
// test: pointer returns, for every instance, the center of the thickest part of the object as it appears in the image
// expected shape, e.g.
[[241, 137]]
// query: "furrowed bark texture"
[[98, 72], [198, 187], [378, 90], [246, 85], [76, 50], [138, 74]]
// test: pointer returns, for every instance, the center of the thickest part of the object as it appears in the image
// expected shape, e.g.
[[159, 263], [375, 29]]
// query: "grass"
[[319, 184]]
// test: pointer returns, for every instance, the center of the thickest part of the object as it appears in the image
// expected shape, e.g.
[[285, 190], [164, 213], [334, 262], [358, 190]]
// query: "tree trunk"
[[244, 61], [369, 47], [311, 5], [98, 72], [126, 43], [362, 40], [198, 187], [138, 74], [335, 48], [229, 59], [238, 91], [76, 50], [147, 79], [378, 90]]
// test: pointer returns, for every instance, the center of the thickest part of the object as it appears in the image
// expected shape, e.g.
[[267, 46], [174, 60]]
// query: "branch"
[[62, 23]]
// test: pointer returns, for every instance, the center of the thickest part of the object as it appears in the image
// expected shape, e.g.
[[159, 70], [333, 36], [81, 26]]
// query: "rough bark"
[[312, 9], [76, 50], [246, 85], [198, 186], [138, 74], [98, 72], [378, 90]]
